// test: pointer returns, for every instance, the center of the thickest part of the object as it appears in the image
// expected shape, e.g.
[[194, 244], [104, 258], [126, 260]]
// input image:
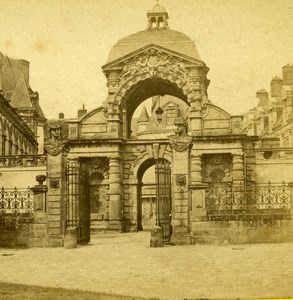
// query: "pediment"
[[151, 50], [98, 115]]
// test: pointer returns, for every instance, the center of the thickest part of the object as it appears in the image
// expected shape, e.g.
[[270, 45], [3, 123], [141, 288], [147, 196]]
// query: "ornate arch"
[[164, 151], [154, 64]]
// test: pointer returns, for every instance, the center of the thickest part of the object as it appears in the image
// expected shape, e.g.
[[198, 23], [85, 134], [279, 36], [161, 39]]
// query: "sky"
[[245, 43]]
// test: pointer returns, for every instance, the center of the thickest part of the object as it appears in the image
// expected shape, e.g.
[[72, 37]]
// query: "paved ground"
[[125, 264]]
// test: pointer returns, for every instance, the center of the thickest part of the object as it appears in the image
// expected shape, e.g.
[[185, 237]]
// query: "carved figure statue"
[[180, 141], [55, 143]]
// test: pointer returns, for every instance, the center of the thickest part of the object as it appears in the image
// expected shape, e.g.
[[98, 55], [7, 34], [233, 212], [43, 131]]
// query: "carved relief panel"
[[152, 62], [217, 167]]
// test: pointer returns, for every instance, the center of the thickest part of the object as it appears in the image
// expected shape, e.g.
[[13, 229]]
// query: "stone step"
[[99, 229]]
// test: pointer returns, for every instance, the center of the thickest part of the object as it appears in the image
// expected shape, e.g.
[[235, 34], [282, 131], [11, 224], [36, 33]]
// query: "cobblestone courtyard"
[[126, 265]]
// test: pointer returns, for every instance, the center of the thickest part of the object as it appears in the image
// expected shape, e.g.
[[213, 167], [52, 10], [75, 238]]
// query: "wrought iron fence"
[[16, 201], [229, 198]]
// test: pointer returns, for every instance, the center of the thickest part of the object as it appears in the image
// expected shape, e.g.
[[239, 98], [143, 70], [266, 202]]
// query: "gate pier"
[[180, 144], [56, 199]]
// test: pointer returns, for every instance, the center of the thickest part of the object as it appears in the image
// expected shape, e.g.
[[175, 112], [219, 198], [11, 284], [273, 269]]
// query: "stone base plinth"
[[180, 236], [157, 237], [70, 238]]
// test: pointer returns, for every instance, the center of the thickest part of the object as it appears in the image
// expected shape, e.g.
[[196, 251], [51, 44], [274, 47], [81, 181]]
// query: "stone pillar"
[[6, 147], [115, 190], [238, 168], [198, 211], [180, 216], [291, 197], [56, 198], [39, 229]]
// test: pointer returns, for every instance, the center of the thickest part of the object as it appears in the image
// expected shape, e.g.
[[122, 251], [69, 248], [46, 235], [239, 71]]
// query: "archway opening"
[[154, 196], [143, 90], [145, 123]]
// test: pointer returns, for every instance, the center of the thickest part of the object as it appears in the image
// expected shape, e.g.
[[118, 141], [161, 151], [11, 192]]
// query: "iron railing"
[[16, 201], [254, 199]]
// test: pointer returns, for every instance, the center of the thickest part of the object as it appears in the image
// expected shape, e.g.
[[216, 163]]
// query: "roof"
[[15, 86], [20, 97], [144, 116], [157, 9], [169, 39], [9, 73], [18, 122]]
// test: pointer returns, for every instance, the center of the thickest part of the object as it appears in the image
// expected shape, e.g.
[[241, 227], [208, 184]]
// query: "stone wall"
[[27, 231], [240, 232], [274, 169]]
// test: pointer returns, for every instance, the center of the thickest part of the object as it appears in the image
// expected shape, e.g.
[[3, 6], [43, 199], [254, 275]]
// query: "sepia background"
[[244, 43]]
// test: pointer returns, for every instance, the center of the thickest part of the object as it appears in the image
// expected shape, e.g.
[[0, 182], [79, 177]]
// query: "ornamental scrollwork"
[[152, 62], [181, 180]]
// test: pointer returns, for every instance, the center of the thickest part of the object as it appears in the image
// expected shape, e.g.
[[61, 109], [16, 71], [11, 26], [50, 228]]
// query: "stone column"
[[195, 169], [238, 168], [133, 202], [198, 211], [115, 191]]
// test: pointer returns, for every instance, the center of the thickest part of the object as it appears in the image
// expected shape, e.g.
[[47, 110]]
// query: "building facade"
[[159, 149], [22, 119], [158, 153]]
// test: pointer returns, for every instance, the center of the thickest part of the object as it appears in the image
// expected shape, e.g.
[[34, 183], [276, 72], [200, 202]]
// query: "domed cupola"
[[157, 17], [151, 62], [157, 33]]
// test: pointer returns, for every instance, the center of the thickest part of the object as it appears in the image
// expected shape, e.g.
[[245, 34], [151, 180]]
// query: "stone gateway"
[[158, 155]]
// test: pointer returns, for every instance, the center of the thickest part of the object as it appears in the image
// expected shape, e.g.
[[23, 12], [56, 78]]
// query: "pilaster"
[[238, 168], [115, 190], [197, 188]]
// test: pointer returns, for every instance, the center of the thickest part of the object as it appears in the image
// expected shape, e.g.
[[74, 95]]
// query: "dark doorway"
[[154, 197]]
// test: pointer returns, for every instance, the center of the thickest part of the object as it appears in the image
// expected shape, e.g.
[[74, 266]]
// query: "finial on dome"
[[157, 17]]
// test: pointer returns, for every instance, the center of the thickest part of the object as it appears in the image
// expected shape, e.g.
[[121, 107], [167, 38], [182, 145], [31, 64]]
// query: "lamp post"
[[159, 112]]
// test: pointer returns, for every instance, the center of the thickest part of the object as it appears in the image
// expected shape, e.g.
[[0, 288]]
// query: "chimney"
[[61, 116], [24, 67], [276, 86], [288, 74], [263, 97], [81, 112]]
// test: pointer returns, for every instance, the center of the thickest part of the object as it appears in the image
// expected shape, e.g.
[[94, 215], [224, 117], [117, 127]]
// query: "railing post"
[[291, 197]]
